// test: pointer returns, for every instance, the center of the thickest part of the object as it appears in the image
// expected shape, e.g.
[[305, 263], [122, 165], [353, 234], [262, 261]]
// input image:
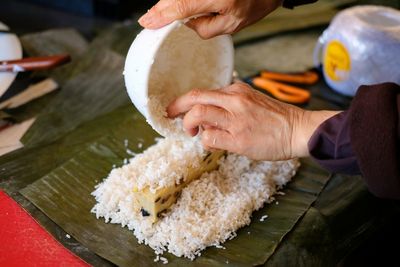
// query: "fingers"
[[184, 103], [211, 26], [167, 11], [207, 116], [217, 139]]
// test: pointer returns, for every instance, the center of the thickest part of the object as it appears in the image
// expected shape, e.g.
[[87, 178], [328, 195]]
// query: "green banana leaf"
[[38, 161], [64, 196], [284, 20], [21, 168], [96, 90], [118, 37], [58, 41], [344, 215], [5, 116]]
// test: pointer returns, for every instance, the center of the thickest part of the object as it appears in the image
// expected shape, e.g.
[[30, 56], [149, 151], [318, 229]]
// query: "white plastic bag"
[[361, 46]]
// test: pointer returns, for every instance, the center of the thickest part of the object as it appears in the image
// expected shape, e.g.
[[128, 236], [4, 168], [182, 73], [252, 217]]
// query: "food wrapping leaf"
[[5, 116], [64, 196], [57, 41], [284, 20], [20, 168], [344, 215], [118, 37], [96, 90]]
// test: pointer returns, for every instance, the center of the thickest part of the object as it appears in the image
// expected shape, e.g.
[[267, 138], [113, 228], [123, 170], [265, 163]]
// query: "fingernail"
[[147, 19], [143, 20]]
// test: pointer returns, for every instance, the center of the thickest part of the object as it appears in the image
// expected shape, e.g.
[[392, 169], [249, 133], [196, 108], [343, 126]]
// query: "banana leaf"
[[55, 41], [96, 90], [5, 116], [343, 217], [284, 20], [64, 196], [118, 37], [58, 41], [30, 164], [321, 238], [20, 168]]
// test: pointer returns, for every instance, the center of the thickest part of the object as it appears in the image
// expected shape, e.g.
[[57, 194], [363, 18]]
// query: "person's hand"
[[242, 120], [225, 16]]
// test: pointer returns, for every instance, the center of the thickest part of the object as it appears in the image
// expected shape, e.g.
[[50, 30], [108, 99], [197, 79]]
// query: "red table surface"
[[23, 242]]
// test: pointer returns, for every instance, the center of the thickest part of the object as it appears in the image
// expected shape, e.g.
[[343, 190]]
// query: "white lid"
[[165, 63]]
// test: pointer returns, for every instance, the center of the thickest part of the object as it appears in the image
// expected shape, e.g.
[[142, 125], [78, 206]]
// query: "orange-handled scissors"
[[281, 91], [307, 77], [276, 84]]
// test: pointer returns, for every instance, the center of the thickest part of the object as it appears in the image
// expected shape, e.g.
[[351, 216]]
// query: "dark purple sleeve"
[[364, 140], [330, 145]]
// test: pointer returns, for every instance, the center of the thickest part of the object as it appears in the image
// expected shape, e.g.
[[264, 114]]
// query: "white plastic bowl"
[[165, 63]]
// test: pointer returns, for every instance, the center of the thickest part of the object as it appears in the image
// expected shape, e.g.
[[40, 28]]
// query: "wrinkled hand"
[[226, 16], [244, 121]]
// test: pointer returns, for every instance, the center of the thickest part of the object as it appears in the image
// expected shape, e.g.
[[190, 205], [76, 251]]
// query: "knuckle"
[[207, 139], [199, 110], [240, 101], [239, 87], [195, 93], [181, 7], [187, 122], [242, 87]]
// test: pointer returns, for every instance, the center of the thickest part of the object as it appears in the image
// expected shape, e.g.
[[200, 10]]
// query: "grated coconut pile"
[[210, 209]]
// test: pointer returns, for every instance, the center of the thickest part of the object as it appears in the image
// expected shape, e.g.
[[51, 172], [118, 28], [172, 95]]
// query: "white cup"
[[165, 63]]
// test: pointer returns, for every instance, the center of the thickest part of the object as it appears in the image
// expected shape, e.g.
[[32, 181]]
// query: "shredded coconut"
[[167, 127], [263, 218], [164, 260], [157, 258], [210, 209], [130, 152], [163, 164]]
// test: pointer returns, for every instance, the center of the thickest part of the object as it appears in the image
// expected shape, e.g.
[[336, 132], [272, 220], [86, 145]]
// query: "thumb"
[[167, 11]]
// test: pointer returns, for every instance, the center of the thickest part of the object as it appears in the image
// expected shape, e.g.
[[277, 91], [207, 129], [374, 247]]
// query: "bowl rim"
[[141, 63]]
